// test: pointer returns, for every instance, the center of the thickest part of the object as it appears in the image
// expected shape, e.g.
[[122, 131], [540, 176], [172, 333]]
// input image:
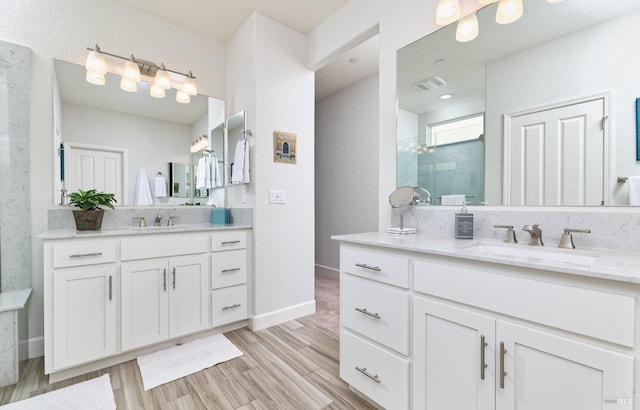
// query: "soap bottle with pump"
[[464, 223]]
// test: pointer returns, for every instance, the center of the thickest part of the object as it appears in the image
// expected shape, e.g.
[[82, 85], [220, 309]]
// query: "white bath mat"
[[175, 362], [95, 394]]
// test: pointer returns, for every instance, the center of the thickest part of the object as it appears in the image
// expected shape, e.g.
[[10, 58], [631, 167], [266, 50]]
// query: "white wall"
[[563, 70], [64, 29], [346, 183], [268, 77]]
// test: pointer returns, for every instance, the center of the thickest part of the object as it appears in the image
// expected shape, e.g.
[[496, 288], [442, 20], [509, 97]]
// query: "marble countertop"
[[14, 299], [134, 230], [611, 264]]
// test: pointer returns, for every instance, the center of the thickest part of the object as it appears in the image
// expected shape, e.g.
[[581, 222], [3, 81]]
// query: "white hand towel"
[[240, 170], [216, 176], [452, 200], [143, 190], [201, 174], [160, 183], [634, 191]]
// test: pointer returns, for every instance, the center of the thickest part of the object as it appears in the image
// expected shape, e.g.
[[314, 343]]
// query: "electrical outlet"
[[277, 197]]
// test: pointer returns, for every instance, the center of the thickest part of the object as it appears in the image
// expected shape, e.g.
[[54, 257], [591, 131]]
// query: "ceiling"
[[300, 15]]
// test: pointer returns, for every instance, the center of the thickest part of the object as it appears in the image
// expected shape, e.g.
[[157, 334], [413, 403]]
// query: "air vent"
[[430, 83]]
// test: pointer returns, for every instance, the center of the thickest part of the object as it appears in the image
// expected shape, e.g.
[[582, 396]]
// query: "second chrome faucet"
[[536, 234]]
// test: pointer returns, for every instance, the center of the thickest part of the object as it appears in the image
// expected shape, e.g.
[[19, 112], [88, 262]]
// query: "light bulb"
[[467, 28], [128, 85], [95, 78], [182, 97], [131, 70], [447, 11], [157, 92], [95, 62], [189, 86], [508, 11], [162, 78]]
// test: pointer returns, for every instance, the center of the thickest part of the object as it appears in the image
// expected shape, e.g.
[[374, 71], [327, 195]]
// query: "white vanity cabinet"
[[483, 335], [374, 315], [84, 295], [229, 296], [109, 298]]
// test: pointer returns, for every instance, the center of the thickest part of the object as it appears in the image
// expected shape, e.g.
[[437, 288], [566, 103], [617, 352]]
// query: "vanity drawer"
[[228, 268], [159, 246], [223, 241], [85, 253], [379, 266], [378, 374], [376, 311], [602, 315], [228, 305]]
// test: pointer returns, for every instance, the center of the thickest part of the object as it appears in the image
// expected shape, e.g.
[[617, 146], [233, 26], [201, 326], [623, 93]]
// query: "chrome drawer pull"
[[366, 312], [164, 280], [110, 287], [365, 266], [231, 307], [85, 255], [364, 371], [502, 372], [174, 277], [229, 242], [483, 364], [230, 270]]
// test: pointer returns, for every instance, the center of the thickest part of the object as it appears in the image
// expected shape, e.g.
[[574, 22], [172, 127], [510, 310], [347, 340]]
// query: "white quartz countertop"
[[612, 264], [133, 230]]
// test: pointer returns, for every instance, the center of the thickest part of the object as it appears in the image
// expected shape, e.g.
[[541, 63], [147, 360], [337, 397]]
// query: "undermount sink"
[[539, 254]]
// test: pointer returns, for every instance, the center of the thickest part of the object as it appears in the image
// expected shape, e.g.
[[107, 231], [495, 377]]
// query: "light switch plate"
[[277, 197]]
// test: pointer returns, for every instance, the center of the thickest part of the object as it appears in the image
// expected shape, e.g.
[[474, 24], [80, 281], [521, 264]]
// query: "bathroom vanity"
[[110, 296], [431, 322]]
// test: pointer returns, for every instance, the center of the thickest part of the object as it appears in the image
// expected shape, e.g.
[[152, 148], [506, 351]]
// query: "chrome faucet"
[[158, 221], [510, 234], [566, 240], [142, 223], [172, 220], [536, 234]]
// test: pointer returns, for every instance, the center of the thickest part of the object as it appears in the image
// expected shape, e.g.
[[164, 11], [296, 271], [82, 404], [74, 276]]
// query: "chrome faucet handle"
[[172, 220], [566, 239], [142, 223], [158, 221], [510, 234], [536, 234]]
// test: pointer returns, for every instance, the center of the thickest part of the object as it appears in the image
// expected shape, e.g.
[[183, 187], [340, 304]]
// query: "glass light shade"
[[95, 78], [128, 85], [189, 86], [162, 79], [509, 11], [182, 97], [132, 71], [485, 2], [156, 92], [95, 62], [467, 28], [447, 11]]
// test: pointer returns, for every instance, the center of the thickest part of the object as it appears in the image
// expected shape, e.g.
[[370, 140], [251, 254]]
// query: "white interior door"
[[556, 156], [96, 167]]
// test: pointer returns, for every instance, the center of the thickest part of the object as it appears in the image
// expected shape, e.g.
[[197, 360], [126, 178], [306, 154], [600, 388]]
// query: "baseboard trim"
[[327, 272], [277, 317], [36, 347]]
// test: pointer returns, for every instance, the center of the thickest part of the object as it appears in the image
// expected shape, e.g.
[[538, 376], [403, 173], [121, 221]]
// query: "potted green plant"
[[89, 216]]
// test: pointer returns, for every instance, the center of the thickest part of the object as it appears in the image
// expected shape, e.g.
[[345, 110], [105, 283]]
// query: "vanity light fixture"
[[448, 11], [467, 28], [201, 144], [132, 73]]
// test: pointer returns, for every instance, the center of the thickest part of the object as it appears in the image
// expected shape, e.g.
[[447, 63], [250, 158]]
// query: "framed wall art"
[[284, 147]]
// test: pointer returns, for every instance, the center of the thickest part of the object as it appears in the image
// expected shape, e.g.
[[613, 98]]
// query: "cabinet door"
[[453, 357], [145, 287], [84, 315], [188, 294], [551, 372]]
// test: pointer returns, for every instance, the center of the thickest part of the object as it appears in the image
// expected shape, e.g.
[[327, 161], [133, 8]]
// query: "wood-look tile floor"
[[290, 366]]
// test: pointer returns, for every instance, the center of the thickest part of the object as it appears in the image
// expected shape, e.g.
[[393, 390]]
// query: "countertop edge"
[[133, 231]]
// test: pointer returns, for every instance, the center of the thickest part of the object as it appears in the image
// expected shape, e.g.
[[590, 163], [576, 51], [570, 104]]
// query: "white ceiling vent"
[[430, 83]]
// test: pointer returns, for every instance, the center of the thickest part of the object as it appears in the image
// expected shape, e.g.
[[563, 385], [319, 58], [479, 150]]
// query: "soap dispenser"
[[464, 223]]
